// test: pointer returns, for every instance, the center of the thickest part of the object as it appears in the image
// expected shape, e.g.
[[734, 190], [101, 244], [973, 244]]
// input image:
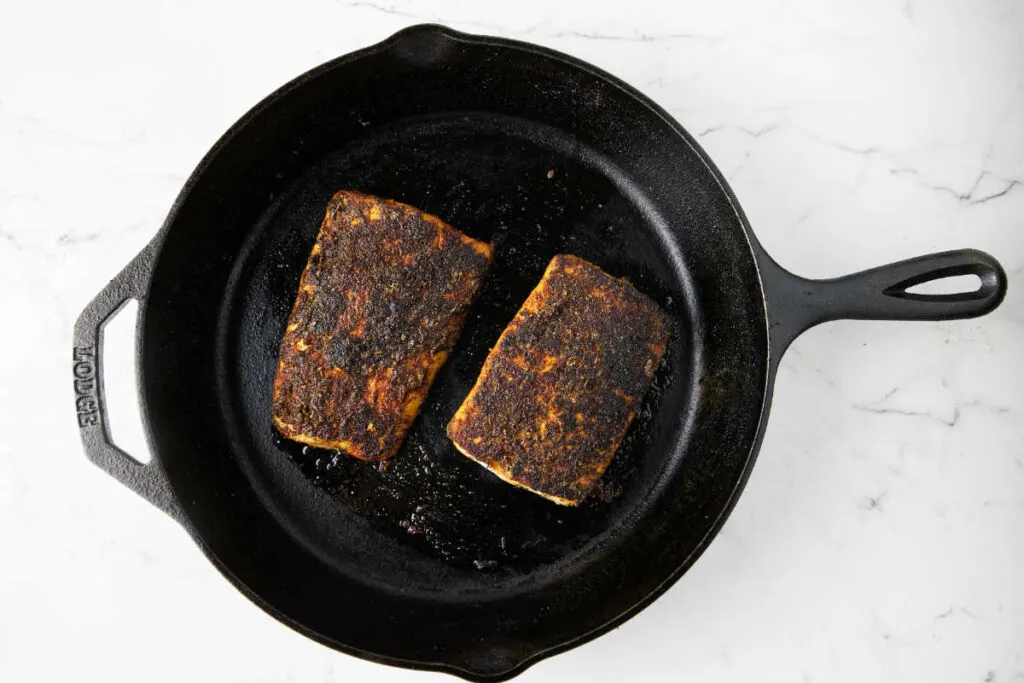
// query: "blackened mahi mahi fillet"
[[381, 303], [563, 383]]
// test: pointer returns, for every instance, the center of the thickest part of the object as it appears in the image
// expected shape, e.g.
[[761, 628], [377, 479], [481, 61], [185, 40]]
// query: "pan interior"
[[540, 154], [533, 192]]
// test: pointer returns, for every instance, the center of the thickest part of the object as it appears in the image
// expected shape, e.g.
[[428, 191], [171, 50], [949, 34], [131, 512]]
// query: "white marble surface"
[[881, 537]]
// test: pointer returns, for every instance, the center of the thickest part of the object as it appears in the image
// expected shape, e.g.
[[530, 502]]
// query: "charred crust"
[[380, 303], [558, 391]]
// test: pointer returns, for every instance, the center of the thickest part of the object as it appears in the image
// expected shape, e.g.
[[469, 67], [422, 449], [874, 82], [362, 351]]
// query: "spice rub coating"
[[381, 302], [560, 388]]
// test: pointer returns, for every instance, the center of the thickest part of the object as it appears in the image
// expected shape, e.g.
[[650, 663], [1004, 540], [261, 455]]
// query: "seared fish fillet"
[[564, 381], [380, 304]]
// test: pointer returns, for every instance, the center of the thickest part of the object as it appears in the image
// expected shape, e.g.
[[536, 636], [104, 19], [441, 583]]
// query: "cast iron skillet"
[[433, 563]]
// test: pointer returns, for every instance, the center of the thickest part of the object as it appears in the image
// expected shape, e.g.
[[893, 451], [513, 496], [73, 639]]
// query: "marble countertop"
[[881, 536]]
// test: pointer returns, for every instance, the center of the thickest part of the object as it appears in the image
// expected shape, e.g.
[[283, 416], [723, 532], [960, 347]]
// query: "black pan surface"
[[490, 176], [430, 561]]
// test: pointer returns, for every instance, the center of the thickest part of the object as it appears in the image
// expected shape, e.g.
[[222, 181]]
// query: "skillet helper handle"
[[86, 361], [796, 304]]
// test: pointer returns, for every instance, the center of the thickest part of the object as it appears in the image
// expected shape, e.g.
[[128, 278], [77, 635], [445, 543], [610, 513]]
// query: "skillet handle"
[[87, 356], [796, 304]]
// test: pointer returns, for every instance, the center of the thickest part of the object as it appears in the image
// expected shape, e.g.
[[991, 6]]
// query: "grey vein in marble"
[[535, 31]]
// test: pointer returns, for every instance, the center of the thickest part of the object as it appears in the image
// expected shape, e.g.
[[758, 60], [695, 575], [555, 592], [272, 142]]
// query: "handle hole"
[[120, 397], [953, 284]]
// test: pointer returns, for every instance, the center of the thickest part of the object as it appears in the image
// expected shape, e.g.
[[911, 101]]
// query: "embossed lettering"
[[86, 404], [84, 370]]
